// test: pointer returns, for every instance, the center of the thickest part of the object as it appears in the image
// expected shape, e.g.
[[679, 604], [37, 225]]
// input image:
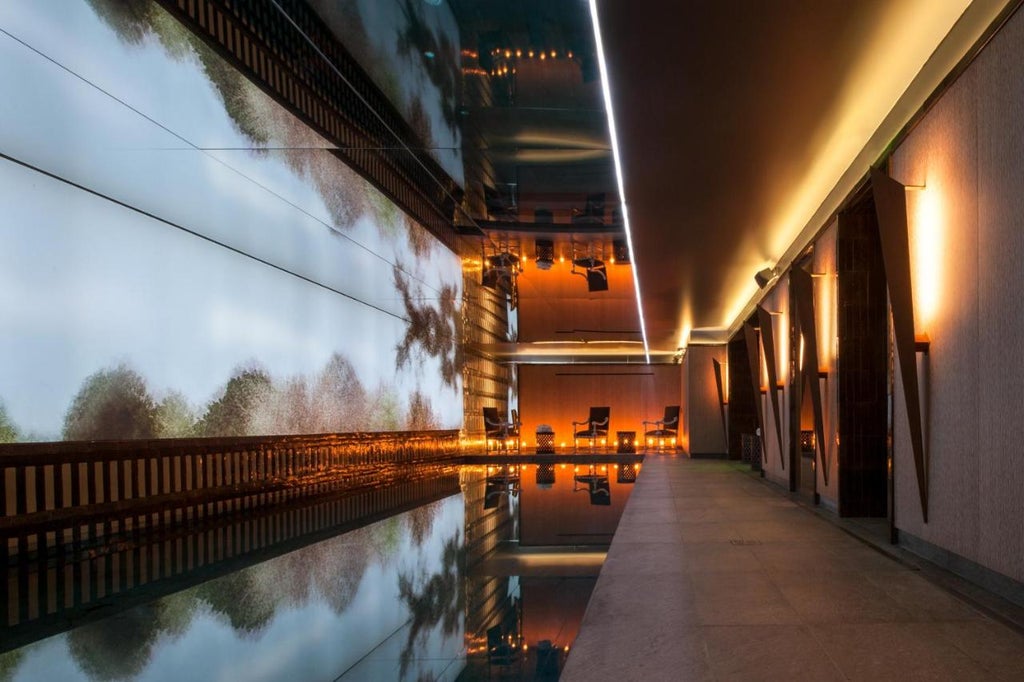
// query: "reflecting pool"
[[474, 572]]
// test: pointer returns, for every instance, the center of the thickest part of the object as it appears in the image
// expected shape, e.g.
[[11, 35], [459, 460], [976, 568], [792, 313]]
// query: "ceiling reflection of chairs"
[[590, 266]]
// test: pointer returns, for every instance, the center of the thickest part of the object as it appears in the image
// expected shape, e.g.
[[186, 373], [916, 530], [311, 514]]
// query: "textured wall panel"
[[1000, 303], [704, 419], [969, 152]]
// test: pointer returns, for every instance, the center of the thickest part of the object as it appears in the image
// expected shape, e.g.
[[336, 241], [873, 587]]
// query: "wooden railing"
[[43, 482]]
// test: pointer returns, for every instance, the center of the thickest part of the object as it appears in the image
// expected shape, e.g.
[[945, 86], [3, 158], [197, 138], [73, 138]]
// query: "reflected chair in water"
[[504, 481], [548, 659], [499, 431], [597, 485], [596, 428], [500, 649], [666, 429]]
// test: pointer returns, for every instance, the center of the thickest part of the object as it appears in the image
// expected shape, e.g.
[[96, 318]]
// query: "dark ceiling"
[[739, 125]]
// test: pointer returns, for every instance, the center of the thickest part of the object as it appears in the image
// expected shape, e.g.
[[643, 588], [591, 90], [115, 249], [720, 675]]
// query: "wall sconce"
[[891, 209], [720, 384]]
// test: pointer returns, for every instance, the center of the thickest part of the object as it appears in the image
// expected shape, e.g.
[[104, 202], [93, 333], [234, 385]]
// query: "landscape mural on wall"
[[382, 602], [180, 256]]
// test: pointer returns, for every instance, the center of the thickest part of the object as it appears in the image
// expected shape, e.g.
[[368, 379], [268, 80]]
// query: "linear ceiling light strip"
[[606, 89]]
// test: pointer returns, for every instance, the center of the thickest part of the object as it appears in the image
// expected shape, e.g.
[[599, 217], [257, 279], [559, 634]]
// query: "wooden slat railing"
[[42, 481]]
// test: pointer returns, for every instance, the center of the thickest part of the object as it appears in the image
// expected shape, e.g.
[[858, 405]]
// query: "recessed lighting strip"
[[606, 89]]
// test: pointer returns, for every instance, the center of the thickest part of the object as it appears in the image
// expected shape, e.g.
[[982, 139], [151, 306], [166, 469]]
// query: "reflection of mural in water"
[[344, 318], [438, 601], [347, 596]]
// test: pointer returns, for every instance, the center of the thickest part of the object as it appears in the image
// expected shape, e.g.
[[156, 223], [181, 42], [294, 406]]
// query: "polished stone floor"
[[715, 575]]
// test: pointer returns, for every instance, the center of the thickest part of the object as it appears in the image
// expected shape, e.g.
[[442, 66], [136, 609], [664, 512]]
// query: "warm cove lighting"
[[606, 89]]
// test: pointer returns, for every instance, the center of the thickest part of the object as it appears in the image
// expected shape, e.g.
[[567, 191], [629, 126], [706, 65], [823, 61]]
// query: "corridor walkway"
[[715, 575]]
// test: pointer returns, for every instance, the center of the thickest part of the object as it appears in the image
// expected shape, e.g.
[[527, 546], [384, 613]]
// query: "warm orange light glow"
[[781, 346], [864, 121], [928, 248], [824, 291]]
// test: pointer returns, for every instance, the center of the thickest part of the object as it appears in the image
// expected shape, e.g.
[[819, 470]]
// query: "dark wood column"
[[862, 368], [742, 408]]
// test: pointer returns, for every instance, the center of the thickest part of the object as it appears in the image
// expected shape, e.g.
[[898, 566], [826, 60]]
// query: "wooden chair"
[[596, 428]]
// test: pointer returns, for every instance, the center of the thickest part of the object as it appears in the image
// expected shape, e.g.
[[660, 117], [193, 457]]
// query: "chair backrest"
[[671, 419], [599, 416], [493, 424]]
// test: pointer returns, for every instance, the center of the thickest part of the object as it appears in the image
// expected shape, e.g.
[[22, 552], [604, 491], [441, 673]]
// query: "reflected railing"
[[96, 570]]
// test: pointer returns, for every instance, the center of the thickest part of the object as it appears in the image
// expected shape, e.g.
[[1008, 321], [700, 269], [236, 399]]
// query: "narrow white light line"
[[606, 88]]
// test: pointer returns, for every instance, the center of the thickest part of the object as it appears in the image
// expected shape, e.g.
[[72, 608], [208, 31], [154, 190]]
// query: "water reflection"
[[471, 586]]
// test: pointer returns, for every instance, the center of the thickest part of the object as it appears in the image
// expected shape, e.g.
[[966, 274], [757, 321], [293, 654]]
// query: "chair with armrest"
[[596, 427], [666, 428], [499, 430]]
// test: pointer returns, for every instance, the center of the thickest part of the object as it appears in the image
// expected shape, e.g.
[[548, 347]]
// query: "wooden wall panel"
[[555, 305], [703, 418], [560, 394]]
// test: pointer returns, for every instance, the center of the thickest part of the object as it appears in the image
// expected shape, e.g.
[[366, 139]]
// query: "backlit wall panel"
[[180, 256]]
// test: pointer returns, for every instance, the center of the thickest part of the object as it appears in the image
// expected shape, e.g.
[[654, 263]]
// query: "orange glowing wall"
[[554, 305], [560, 394]]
